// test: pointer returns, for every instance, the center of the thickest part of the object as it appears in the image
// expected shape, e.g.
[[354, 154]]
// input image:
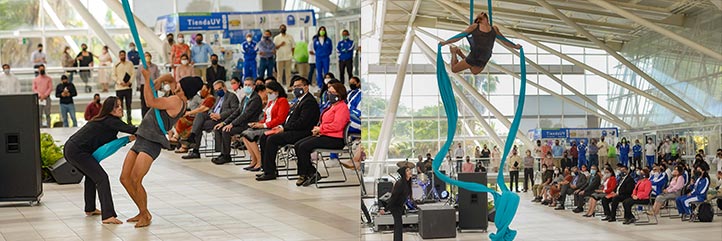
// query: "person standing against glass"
[[267, 52], [85, 59]]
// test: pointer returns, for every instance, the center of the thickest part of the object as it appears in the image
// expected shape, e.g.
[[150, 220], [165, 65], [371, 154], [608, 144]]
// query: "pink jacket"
[[43, 86], [676, 184], [334, 120]]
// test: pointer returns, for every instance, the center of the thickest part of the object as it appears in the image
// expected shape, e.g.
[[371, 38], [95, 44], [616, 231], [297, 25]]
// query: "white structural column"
[[59, 24], [657, 28], [691, 110], [153, 41], [460, 94], [324, 5], [94, 25]]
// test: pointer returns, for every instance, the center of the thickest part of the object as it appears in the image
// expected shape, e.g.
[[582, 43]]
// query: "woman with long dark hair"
[[274, 114], [79, 149], [151, 139], [322, 49], [399, 194]]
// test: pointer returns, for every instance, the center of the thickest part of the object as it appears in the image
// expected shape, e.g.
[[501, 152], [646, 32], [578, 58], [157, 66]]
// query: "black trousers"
[[610, 205], [203, 122], [628, 203], [565, 190], [271, 144], [528, 175], [346, 65], [398, 224], [143, 107], [127, 97], [226, 138], [95, 179], [311, 71], [637, 161], [579, 200], [306, 145], [514, 179]]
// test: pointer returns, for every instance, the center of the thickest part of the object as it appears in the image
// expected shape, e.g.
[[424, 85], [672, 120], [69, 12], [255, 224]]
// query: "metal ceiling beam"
[[323, 5], [474, 93], [690, 110], [59, 24], [94, 25], [153, 41], [658, 29]]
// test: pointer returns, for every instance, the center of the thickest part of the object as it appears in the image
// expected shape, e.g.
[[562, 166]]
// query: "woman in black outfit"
[[79, 149], [400, 193]]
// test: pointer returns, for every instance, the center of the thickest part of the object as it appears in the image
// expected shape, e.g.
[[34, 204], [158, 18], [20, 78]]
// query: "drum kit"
[[422, 186]]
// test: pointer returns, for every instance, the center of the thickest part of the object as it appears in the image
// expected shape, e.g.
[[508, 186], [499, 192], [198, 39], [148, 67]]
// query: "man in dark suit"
[[579, 182], [625, 187], [226, 103], [302, 117], [215, 71], [594, 181], [249, 111]]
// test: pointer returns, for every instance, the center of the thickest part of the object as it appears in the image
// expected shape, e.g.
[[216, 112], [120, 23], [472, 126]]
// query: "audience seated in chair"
[[183, 127], [302, 117], [547, 176], [640, 195], [624, 189], [225, 103], [274, 114], [579, 182], [659, 180], [609, 183], [556, 187], [676, 185], [698, 194], [248, 111], [595, 179]]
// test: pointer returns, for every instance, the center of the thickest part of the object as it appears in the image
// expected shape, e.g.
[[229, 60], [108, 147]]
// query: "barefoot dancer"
[[483, 35], [150, 138], [79, 149]]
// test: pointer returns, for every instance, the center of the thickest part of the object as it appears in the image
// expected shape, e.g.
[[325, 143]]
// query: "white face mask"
[[249, 39], [556, 171], [166, 87], [544, 169], [272, 96], [6, 71], [326, 80], [181, 40], [184, 62]]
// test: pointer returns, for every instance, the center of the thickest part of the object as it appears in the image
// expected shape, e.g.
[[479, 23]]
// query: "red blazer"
[[643, 189], [611, 185], [278, 113], [334, 120]]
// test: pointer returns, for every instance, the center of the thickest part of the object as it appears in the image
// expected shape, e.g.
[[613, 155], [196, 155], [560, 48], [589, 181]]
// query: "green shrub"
[[49, 152]]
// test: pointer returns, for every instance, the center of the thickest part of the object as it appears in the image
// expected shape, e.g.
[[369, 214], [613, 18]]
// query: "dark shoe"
[[545, 202], [611, 220], [192, 155], [258, 169], [312, 179], [517, 190], [266, 178], [301, 180], [605, 219], [247, 168], [588, 216], [578, 210], [221, 160], [260, 174], [629, 221], [559, 208]]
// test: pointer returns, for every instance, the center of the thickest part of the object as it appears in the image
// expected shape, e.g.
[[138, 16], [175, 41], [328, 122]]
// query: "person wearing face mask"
[[329, 80], [38, 58], [215, 71], [327, 135], [248, 112], [674, 190], [658, 179], [78, 151], [578, 182], [8, 82], [284, 53], [582, 153], [624, 152], [637, 154], [65, 91], [345, 49], [603, 151], [103, 74], [201, 103], [624, 189], [395, 204], [43, 86], [123, 73], [273, 115], [718, 160], [604, 191], [303, 115], [168, 49], [179, 49], [573, 153], [529, 170], [250, 52], [566, 161], [546, 180], [267, 54], [154, 74], [200, 54], [322, 48], [640, 195], [595, 179], [555, 190], [236, 88], [185, 68], [699, 188], [649, 152], [85, 59], [68, 62], [353, 101], [133, 55], [225, 104], [93, 108]]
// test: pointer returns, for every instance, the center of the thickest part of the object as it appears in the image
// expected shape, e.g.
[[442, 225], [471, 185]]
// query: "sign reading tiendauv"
[[202, 21]]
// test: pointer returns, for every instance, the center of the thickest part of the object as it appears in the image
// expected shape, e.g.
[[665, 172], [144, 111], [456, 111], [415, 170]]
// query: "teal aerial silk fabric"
[[506, 202], [110, 148], [136, 39]]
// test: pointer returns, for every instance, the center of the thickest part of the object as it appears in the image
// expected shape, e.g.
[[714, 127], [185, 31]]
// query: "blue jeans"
[[265, 69], [65, 110], [249, 69]]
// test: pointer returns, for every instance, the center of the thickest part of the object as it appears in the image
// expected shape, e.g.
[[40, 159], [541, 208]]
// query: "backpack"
[[705, 213]]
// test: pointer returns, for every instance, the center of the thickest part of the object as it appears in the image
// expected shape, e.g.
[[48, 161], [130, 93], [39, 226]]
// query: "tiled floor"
[[190, 200]]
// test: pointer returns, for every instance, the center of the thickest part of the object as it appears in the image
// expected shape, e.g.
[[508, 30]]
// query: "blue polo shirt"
[[345, 49], [267, 47], [201, 53]]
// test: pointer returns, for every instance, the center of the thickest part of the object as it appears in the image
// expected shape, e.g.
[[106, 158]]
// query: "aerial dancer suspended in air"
[[483, 35]]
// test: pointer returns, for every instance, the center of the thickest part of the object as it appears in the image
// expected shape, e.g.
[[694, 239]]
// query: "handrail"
[[66, 69]]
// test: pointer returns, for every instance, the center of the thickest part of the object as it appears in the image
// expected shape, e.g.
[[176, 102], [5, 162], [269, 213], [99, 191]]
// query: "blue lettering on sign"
[[209, 22], [560, 133], [290, 20]]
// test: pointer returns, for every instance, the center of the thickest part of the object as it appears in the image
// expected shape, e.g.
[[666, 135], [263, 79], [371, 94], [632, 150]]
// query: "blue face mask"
[[247, 90], [594, 172], [220, 93]]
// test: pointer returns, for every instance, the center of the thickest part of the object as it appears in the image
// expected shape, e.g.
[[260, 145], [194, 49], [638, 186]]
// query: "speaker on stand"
[[473, 206]]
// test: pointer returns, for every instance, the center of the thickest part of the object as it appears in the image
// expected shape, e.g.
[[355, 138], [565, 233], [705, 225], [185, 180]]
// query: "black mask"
[[283, 30], [697, 173], [42, 72], [353, 87], [199, 41], [214, 62], [97, 101], [85, 48], [331, 98], [170, 40]]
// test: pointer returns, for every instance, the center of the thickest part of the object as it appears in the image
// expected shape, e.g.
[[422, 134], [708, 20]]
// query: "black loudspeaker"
[[439, 185], [473, 206], [20, 164], [382, 187], [437, 221], [65, 173]]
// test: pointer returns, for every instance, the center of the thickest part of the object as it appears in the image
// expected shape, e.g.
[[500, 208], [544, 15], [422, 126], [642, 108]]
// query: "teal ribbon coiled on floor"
[[110, 148], [136, 39], [506, 202]]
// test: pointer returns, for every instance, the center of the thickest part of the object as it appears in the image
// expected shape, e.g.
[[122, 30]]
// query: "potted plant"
[[50, 153]]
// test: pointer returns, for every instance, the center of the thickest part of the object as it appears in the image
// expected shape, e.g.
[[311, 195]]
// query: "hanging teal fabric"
[[110, 148], [506, 202], [134, 32]]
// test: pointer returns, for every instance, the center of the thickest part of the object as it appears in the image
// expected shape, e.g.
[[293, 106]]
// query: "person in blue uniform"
[[322, 48], [250, 51], [637, 153], [582, 150], [345, 49], [624, 152]]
